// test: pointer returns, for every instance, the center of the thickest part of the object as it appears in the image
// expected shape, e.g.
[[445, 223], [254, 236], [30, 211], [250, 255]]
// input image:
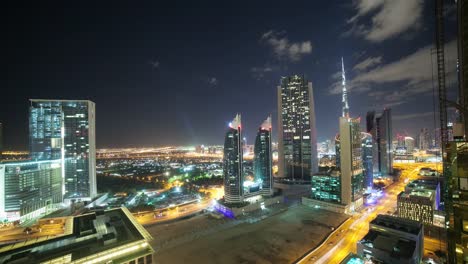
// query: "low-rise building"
[[418, 205], [111, 236], [393, 240]]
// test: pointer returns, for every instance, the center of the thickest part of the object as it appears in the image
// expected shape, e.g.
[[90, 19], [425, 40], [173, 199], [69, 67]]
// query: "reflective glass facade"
[[297, 146], [233, 163], [262, 159], [29, 187], [65, 129], [384, 142]]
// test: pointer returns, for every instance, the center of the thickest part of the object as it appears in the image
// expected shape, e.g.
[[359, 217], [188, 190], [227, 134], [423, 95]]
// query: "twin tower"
[[236, 187]]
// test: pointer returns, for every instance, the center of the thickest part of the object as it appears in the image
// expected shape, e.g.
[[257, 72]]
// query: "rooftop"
[[423, 184], [91, 234], [399, 224], [396, 246]]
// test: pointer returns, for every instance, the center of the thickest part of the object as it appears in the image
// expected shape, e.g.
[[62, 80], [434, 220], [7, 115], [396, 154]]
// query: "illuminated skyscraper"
[[349, 147], [233, 163], [409, 145], [297, 140], [262, 159], [344, 101], [65, 129]]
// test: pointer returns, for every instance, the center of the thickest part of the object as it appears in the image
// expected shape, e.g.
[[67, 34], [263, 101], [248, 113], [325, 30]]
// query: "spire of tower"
[[344, 101]]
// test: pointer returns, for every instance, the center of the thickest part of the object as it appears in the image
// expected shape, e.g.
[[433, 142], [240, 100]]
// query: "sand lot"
[[280, 238]]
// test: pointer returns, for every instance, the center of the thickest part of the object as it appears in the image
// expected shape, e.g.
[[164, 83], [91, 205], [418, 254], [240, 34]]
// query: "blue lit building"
[[65, 129], [326, 186], [263, 159], [233, 163]]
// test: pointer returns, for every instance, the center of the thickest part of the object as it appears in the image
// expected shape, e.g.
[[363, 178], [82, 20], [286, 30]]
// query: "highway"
[[343, 240]]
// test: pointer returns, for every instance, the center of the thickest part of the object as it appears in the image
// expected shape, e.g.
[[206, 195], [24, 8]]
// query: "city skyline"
[[138, 85]]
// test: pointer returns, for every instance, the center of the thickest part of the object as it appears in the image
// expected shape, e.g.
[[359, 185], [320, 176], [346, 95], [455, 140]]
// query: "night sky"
[[175, 72]]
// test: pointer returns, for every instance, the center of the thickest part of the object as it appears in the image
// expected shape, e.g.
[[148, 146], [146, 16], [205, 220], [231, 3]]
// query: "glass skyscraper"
[[65, 129], [297, 141], [384, 142], [351, 167], [262, 158], [29, 189], [233, 169]]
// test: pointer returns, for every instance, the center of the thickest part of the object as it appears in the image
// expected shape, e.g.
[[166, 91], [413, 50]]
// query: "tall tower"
[[233, 163], [262, 159], [350, 151], [297, 138], [65, 129], [384, 142], [344, 100]]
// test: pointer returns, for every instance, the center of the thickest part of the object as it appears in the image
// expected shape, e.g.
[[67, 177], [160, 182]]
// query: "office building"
[[456, 203], [326, 186], [349, 147], [371, 128], [424, 139], [112, 236], [417, 206], [65, 129], [409, 145], [462, 14], [233, 169], [384, 142], [263, 158], [393, 240], [430, 186], [297, 140], [29, 189], [367, 149]]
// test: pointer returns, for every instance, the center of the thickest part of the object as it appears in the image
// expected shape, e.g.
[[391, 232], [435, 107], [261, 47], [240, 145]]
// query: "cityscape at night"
[[250, 132]]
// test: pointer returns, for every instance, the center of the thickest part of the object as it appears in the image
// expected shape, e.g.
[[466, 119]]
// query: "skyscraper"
[[263, 159], [424, 140], [409, 145], [65, 129], [233, 169], [1, 141], [297, 140], [384, 142], [367, 159], [350, 165], [462, 7]]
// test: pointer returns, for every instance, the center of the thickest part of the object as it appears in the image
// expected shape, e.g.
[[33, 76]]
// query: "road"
[[149, 218], [343, 240]]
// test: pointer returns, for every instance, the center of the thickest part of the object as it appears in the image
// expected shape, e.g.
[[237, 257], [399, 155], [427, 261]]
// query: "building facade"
[[350, 164], [297, 139], [384, 142], [417, 206], [233, 169], [29, 189], [409, 145], [263, 158], [456, 202], [326, 187], [367, 149], [65, 129]]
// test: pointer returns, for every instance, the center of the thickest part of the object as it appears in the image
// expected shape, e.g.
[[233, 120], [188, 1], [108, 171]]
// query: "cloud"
[[213, 81], [367, 63], [259, 72], [400, 80], [154, 64], [388, 18], [412, 116], [283, 48]]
